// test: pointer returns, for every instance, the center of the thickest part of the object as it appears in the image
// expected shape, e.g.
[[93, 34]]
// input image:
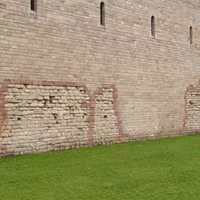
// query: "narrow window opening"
[[33, 5], [102, 13], [191, 34], [153, 31]]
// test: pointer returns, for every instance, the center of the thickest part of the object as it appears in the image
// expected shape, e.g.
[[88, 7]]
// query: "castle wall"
[[64, 42]]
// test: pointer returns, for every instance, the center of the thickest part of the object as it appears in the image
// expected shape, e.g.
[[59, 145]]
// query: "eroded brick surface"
[[41, 118], [106, 124], [192, 118]]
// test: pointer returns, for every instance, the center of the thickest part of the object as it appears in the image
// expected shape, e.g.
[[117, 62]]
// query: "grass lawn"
[[166, 169]]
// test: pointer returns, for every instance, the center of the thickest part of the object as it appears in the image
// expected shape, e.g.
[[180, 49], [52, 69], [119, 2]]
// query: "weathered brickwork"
[[50, 117], [192, 118], [136, 84], [106, 121]]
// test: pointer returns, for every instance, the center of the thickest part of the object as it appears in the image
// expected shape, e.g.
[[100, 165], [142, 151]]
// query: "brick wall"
[[64, 42], [52, 116]]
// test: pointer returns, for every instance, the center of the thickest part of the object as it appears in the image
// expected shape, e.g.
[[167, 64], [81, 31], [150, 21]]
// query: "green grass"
[[166, 169]]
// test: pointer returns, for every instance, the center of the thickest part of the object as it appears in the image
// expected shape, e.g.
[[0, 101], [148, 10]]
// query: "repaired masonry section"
[[52, 116]]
